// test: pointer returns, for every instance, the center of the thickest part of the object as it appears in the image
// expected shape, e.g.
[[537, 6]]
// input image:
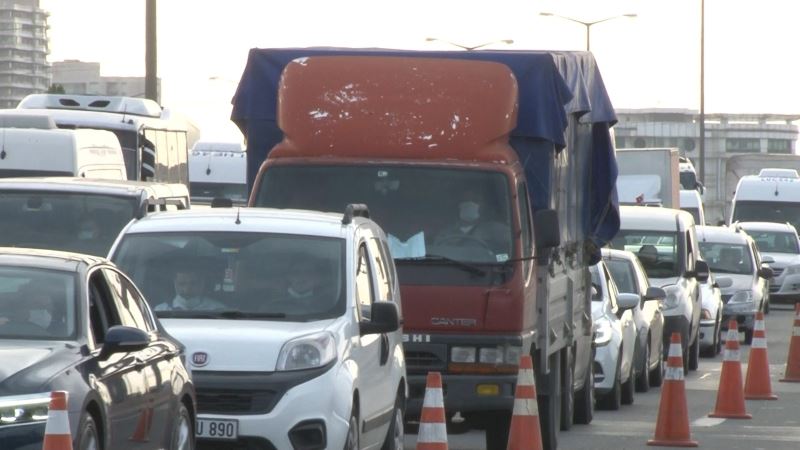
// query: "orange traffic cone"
[[57, 435], [730, 396], [525, 433], [432, 428], [757, 385], [672, 428], [142, 432], [793, 360]]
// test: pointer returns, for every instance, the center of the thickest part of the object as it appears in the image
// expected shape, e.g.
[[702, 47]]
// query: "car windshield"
[[775, 241], [463, 215], [74, 222], [727, 258], [622, 273], [778, 212], [239, 275], [37, 304], [657, 250]]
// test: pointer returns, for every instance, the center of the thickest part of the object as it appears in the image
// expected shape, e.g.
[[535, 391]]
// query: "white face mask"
[[468, 211], [40, 317]]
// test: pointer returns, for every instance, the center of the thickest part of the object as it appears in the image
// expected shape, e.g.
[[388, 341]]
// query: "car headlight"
[[791, 270], [21, 409], [672, 300], [307, 352], [741, 297], [602, 333]]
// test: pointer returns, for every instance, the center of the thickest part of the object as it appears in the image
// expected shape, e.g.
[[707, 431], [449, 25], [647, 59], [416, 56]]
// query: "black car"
[[75, 323]]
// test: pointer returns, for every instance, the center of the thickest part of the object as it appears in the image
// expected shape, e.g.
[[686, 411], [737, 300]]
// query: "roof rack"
[[354, 210]]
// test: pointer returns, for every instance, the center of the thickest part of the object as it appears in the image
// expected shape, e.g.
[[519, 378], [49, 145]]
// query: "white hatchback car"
[[291, 320], [780, 248], [615, 338]]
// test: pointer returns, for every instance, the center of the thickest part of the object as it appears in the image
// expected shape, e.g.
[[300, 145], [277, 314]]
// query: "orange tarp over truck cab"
[[397, 108]]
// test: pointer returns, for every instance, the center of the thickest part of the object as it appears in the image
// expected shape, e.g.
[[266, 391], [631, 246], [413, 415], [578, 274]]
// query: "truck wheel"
[[643, 377], [497, 426], [567, 391], [550, 404], [694, 353], [584, 400], [613, 399], [657, 374]]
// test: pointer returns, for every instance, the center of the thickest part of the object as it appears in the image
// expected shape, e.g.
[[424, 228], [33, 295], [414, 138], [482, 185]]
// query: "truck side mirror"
[[547, 232]]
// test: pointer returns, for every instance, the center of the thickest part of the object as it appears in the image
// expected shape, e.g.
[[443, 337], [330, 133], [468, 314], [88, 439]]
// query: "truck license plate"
[[217, 429]]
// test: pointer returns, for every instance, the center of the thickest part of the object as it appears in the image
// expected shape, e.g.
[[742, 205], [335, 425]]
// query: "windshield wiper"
[[471, 268], [251, 315]]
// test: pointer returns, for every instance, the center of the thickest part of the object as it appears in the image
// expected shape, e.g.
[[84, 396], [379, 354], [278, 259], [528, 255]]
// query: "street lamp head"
[[507, 41], [430, 39], [545, 14], [631, 15]]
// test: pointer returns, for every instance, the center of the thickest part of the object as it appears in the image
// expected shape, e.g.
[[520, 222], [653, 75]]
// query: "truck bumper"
[[461, 393]]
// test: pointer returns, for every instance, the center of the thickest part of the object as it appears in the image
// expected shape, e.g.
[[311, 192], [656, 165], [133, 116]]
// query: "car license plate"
[[217, 429]]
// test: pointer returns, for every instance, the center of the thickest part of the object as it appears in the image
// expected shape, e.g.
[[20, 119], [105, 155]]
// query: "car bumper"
[[745, 320], [605, 367], [22, 437], [322, 402]]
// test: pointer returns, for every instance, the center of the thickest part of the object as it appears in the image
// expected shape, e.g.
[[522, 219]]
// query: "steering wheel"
[[462, 238]]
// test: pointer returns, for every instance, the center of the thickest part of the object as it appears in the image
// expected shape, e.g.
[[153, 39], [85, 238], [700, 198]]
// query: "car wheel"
[[657, 374], [396, 433], [584, 406], [718, 345], [693, 356], [182, 431], [748, 337], [628, 387], [766, 306], [613, 399], [88, 436], [643, 377], [353, 441]]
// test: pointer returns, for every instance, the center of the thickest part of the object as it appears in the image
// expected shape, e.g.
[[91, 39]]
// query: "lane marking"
[[708, 422]]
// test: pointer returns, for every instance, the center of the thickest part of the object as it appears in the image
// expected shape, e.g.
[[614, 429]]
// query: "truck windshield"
[[757, 211], [237, 275], [658, 251], [727, 258], [775, 241], [429, 214], [74, 222]]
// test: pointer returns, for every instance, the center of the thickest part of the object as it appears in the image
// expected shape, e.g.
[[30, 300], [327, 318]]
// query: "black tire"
[[613, 399], [550, 405], [718, 347], [766, 306], [748, 337], [567, 391], [584, 398], [628, 387], [88, 434], [643, 377], [657, 373], [497, 427], [396, 433], [694, 353], [182, 430], [353, 441]]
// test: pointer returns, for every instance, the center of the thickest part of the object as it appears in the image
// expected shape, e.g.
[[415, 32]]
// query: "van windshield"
[[775, 241], [757, 211], [73, 222], [241, 275], [727, 258], [461, 215], [658, 251]]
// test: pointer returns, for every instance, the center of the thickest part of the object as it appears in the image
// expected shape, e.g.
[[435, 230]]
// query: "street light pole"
[[150, 52], [702, 120], [474, 47], [588, 25]]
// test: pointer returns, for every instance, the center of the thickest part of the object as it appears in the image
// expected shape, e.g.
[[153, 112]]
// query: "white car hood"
[[661, 282], [740, 282], [782, 259], [237, 345]]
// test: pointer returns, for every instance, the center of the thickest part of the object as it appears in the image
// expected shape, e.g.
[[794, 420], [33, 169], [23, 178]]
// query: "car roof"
[[767, 226], [653, 218], [247, 220], [46, 259], [723, 235], [613, 253], [76, 184]]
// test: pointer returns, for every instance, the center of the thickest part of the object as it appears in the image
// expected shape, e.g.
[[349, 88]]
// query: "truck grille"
[[423, 360], [229, 401]]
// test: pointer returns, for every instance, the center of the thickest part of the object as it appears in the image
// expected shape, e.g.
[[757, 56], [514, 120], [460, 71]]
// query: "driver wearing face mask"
[[190, 293], [473, 229]]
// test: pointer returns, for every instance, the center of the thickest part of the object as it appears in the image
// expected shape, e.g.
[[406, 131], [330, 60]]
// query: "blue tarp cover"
[[552, 85]]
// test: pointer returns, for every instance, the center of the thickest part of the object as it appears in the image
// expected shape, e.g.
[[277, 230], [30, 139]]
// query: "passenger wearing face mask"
[[190, 293], [474, 230]]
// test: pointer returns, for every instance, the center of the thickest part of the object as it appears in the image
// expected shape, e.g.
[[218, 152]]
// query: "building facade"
[[728, 137], [23, 51], [78, 77]]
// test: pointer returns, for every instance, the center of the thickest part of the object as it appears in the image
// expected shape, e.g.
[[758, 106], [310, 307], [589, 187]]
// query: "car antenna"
[[238, 221]]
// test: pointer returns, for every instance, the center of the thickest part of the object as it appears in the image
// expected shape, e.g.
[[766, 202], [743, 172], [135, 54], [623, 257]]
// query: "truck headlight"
[[602, 333], [21, 409], [307, 352], [463, 354], [491, 355]]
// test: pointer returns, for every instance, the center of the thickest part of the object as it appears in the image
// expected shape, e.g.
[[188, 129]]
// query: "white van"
[[692, 203], [55, 152], [218, 170], [771, 196]]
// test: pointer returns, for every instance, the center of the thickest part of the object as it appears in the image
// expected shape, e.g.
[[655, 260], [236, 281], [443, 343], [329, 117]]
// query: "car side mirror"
[[385, 319], [547, 232], [724, 282], [627, 301], [122, 339], [655, 293], [701, 271], [595, 291], [766, 273], [767, 259]]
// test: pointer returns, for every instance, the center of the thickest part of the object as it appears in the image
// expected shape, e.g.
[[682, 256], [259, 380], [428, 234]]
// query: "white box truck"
[[648, 176]]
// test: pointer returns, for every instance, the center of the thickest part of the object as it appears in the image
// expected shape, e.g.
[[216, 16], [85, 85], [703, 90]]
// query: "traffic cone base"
[[757, 384], [672, 427], [792, 374], [432, 429], [57, 435], [730, 396], [525, 432]]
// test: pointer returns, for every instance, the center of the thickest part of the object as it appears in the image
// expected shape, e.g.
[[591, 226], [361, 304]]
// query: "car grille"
[[243, 443], [727, 297], [777, 271], [232, 401]]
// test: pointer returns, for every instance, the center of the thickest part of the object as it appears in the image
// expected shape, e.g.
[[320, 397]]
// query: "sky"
[[650, 61]]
